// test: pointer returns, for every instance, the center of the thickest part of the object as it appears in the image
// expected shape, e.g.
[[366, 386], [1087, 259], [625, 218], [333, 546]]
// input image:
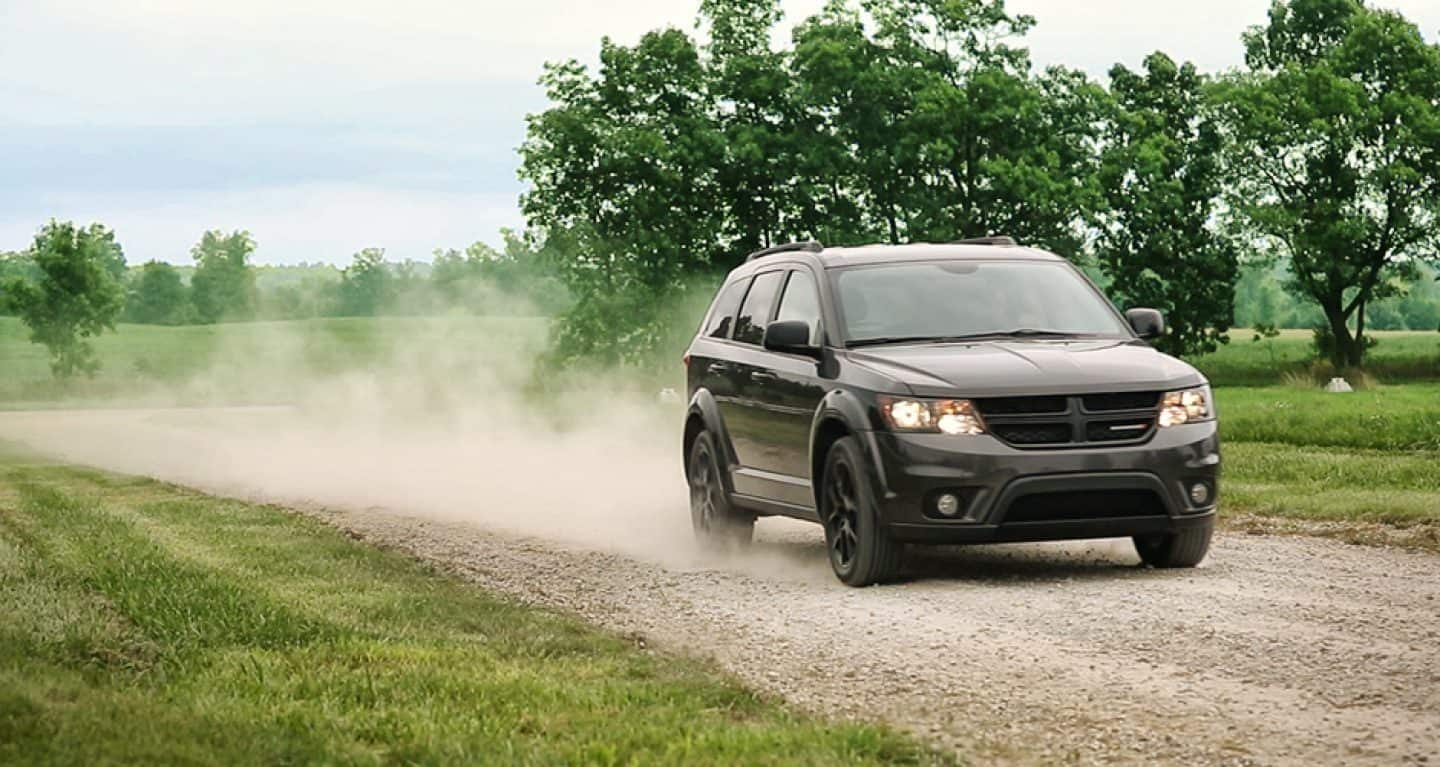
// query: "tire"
[[1183, 548], [860, 549], [718, 525]]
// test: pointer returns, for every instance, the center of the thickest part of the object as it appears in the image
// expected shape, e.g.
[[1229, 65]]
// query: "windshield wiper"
[[1017, 333], [898, 340], [1020, 333]]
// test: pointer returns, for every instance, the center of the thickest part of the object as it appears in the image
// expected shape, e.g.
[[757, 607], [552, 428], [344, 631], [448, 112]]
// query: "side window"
[[722, 314], [750, 325], [801, 302]]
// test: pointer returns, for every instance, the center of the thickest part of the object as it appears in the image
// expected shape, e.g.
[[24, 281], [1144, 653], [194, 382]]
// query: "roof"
[[871, 254], [876, 254]]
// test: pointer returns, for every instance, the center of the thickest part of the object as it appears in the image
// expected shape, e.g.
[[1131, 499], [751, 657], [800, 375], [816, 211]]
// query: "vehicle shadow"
[[804, 557]]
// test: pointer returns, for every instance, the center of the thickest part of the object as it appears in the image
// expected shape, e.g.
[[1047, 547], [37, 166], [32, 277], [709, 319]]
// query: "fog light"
[[948, 505], [1199, 493]]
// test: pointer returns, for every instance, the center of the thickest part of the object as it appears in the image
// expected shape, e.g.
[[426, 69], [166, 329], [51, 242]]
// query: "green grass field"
[[243, 359], [147, 624], [1399, 357]]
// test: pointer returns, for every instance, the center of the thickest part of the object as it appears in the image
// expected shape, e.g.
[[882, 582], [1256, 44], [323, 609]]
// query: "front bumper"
[[1009, 494]]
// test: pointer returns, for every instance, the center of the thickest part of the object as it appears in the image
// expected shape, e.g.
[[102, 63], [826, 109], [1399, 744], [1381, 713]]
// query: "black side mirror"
[[790, 337], [1147, 323]]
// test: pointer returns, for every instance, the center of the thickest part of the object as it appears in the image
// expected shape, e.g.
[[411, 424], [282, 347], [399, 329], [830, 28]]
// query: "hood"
[[1015, 367]]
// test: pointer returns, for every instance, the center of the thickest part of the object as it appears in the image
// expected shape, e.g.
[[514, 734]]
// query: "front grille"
[[1033, 434], [1130, 400], [1034, 423], [1022, 405], [1083, 505]]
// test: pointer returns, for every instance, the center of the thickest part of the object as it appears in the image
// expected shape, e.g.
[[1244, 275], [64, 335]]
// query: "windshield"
[[949, 300]]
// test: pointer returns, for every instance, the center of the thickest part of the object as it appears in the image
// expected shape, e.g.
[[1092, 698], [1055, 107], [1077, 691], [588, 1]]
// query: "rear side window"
[[750, 326], [722, 314], [801, 302]]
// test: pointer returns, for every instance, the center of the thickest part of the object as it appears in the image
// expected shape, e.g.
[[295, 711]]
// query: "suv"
[[972, 392]]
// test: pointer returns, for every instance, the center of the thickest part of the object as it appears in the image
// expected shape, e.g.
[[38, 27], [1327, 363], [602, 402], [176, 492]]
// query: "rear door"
[[710, 354]]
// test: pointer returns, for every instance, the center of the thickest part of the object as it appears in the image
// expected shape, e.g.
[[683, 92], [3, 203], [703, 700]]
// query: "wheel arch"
[[703, 414], [841, 415]]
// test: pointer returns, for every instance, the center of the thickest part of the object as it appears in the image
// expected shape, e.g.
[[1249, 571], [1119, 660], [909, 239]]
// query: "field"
[[1293, 452], [239, 362], [1399, 356], [152, 625]]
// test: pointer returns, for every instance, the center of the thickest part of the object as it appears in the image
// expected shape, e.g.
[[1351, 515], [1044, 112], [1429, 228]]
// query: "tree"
[[1337, 130], [223, 287], [159, 297], [1162, 177], [14, 267], [623, 166], [75, 296], [366, 286]]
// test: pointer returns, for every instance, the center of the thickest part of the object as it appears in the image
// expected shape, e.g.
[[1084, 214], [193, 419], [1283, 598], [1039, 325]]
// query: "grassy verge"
[[148, 624], [1400, 418], [1363, 496]]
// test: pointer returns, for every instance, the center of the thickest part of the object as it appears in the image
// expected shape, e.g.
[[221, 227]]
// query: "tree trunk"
[[1340, 353], [1357, 347]]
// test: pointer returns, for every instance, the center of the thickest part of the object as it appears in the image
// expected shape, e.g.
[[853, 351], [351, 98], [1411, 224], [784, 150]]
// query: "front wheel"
[[1183, 548], [717, 524], [861, 551]]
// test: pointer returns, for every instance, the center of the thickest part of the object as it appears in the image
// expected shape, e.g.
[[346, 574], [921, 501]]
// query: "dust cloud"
[[438, 418]]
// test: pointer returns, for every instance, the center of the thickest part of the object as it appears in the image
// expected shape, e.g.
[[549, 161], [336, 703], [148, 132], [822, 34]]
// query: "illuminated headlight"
[[942, 416], [1186, 406]]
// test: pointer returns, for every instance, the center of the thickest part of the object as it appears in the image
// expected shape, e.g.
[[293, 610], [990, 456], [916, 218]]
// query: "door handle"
[[761, 376], [716, 368]]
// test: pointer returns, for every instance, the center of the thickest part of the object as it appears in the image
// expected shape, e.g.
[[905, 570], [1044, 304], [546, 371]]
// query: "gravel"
[[1277, 650]]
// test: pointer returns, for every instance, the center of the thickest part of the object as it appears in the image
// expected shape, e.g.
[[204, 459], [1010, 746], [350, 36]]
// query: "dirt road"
[[1276, 651]]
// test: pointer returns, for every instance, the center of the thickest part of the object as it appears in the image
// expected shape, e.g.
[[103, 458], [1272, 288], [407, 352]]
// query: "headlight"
[[1186, 406], [932, 416]]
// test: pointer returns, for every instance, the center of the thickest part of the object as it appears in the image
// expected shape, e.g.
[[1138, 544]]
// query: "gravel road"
[[1278, 650]]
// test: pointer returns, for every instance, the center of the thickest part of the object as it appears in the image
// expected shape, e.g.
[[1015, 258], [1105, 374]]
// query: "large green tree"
[[1337, 127], [74, 297], [223, 286], [1162, 177], [623, 165]]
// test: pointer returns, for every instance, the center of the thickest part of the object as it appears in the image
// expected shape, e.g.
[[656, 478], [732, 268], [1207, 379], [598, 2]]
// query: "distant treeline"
[[224, 285]]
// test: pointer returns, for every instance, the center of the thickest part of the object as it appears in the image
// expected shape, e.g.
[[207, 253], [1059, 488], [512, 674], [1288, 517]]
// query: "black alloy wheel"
[[717, 523], [860, 549]]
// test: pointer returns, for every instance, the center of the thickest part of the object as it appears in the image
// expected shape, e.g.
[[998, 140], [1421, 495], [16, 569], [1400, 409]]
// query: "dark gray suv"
[[971, 392]]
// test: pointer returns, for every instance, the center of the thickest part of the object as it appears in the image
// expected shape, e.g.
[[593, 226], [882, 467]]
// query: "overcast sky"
[[326, 126]]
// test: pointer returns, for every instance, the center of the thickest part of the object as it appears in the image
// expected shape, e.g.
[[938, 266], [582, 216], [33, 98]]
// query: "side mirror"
[[790, 337], [1147, 323]]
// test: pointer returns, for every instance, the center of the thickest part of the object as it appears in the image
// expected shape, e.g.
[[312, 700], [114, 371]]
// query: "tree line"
[[74, 283], [925, 120]]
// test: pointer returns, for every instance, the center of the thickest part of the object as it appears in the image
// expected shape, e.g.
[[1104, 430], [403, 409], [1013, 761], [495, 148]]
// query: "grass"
[[1400, 418], [1400, 356], [145, 624]]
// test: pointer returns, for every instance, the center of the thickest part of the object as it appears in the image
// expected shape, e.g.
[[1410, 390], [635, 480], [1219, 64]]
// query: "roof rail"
[[996, 240], [809, 246]]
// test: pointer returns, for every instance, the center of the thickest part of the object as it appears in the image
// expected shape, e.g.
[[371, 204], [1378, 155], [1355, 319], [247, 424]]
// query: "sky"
[[328, 126]]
